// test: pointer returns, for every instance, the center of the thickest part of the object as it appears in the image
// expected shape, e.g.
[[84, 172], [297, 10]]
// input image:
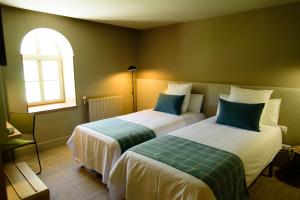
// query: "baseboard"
[[27, 150]]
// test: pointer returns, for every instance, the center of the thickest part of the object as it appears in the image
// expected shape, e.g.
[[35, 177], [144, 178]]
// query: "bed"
[[100, 152], [136, 176]]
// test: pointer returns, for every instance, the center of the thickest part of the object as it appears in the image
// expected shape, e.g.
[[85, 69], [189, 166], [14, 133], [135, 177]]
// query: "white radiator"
[[105, 107]]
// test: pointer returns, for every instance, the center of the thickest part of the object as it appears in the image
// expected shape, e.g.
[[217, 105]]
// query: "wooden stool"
[[23, 183]]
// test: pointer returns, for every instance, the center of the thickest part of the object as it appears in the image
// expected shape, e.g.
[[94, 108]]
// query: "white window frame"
[[39, 59]]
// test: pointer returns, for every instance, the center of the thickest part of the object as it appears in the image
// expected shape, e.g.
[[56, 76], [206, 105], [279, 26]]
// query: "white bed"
[[100, 152], [138, 177]]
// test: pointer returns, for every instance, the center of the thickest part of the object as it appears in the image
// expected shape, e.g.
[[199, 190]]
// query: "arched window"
[[48, 67]]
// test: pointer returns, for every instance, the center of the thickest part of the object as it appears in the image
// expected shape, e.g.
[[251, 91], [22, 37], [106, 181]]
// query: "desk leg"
[[13, 155]]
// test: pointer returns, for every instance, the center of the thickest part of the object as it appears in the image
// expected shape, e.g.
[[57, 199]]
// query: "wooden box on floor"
[[22, 183]]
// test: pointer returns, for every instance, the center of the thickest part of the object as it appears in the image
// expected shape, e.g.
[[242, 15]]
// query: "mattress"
[[138, 177], [99, 152]]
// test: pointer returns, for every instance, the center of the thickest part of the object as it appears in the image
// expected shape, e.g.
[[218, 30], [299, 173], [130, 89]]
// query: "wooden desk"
[[14, 135]]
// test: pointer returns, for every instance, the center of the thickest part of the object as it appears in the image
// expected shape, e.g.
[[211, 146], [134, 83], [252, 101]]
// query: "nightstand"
[[296, 156]]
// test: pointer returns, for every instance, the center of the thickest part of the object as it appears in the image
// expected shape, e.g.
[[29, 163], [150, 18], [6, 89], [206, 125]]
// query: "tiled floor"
[[67, 180]]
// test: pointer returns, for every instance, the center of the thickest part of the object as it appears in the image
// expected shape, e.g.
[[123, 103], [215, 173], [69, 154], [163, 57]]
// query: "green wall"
[[102, 54], [3, 132], [259, 47]]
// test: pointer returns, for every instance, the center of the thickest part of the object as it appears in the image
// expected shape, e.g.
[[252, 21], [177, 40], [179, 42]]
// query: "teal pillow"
[[241, 115], [169, 103]]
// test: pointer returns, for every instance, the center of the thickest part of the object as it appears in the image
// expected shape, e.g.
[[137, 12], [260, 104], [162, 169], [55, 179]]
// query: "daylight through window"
[[47, 65]]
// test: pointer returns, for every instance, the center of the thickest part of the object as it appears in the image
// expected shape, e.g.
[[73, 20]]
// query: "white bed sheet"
[[100, 152], [140, 177]]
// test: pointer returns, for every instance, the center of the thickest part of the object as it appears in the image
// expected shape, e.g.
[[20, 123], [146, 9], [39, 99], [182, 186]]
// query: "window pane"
[[50, 70], [33, 92], [29, 44], [30, 70], [47, 45], [52, 90]]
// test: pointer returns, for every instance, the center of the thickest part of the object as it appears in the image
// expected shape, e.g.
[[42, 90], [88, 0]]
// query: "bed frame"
[[148, 90]]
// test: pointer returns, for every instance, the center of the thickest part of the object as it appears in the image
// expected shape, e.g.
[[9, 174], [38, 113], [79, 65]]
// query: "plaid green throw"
[[126, 133], [222, 171]]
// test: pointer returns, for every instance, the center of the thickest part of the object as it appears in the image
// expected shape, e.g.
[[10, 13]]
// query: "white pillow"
[[224, 97], [195, 103], [271, 112], [242, 95], [181, 89]]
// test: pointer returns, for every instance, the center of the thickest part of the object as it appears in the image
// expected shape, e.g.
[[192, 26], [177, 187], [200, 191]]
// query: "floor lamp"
[[132, 69]]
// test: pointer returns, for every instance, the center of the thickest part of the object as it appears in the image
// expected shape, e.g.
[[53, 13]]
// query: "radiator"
[[105, 107]]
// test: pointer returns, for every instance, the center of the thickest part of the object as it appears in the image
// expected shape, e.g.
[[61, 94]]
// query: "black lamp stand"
[[132, 69]]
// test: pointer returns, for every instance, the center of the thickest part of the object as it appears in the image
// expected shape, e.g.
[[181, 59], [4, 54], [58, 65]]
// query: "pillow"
[[250, 96], [270, 114], [169, 103], [242, 95], [181, 89], [195, 103], [240, 115], [224, 97]]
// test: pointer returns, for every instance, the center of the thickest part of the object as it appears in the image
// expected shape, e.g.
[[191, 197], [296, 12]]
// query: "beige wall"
[[102, 54], [260, 47]]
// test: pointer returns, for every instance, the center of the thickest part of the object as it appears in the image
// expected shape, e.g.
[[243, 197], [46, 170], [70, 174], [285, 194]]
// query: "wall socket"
[[286, 147], [84, 100]]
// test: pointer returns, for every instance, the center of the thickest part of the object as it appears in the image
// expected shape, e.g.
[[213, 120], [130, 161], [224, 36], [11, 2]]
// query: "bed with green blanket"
[[204, 161], [222, 171], [98, 145], [127, 134]]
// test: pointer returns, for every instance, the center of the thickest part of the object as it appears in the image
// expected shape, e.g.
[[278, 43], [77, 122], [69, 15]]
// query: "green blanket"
[[222, 171], [126, 133]]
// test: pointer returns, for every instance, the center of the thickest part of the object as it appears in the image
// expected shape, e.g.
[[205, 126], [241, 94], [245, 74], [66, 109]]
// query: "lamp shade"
[[131, 68]]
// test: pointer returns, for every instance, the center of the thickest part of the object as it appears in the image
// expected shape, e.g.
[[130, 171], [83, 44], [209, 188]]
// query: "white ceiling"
[[142, 14]]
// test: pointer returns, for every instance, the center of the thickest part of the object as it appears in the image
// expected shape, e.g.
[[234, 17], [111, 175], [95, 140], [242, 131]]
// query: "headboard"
[[148, 90]]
